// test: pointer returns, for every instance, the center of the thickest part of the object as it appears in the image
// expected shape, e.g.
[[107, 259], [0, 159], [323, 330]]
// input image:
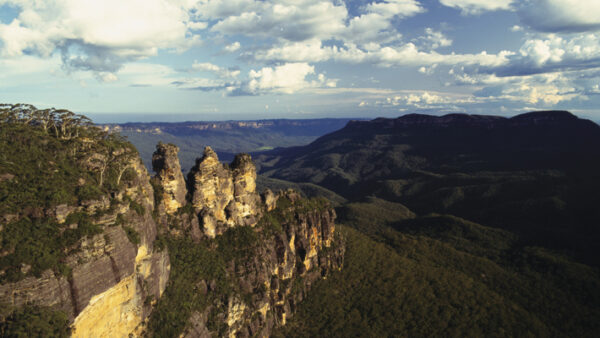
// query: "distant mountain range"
[[226, 137], [537, 173]]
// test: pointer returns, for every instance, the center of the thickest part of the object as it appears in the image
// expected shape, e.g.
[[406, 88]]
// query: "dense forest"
[[457, 225]]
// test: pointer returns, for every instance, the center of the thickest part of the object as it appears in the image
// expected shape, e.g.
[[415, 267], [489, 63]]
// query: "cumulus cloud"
[[561, 15], [425, 100], [545, 90], [293, 21], [232, 47], [219, 71], [96, 35], [376, 22], [434, 39], [468, 7], [284, 79], [402, 55], [552, 53], [298, 21]]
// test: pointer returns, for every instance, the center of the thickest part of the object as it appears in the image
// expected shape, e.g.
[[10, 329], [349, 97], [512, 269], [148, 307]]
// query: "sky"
[[248, 59]]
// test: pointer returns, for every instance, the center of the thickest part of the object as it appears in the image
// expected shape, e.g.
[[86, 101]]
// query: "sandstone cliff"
[[168, 173], [224, 196], [113, 275], [243, 261]]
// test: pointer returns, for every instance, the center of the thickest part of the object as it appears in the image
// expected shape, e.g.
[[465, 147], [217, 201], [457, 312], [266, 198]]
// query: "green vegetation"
[[419, 286], [199, 277], [192, 265], [309, 190], [457, 226], [51, 158], [35, 321], [132, 235]]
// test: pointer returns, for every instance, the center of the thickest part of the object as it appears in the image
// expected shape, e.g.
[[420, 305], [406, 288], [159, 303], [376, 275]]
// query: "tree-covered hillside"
[[457, 226], [50, 159]]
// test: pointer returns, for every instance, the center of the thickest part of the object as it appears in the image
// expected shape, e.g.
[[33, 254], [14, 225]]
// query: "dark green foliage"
[[194, 265], [48, 158], [88, 192], [35, 321], [160, 243], [236, 242], [534, 174], [307, 189], [521, 188], [191, 263], [132, 235], [40, 243], [426, 287], [138, 208]]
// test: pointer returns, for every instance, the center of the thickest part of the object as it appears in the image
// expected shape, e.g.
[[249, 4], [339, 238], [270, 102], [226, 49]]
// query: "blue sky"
[[247, 59]]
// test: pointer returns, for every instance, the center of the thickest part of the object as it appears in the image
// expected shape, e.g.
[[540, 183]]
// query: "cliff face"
[[168, 171], [265, 252], [112, 277], [297, 248], [224, 196], [261, 253]]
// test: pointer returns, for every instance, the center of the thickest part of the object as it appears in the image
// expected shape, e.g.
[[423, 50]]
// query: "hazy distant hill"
[[537, 174], [226, 137], [460, 225]]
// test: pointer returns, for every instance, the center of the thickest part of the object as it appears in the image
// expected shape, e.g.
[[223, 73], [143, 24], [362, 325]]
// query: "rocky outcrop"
[[168, 172], [224, 196], [275, 276], [114, 278], [111, 281]]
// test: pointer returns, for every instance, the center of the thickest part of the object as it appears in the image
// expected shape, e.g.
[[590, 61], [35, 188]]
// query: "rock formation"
[[112, 278], [168, 172], [224, 196], [275, 276], [115, 278]]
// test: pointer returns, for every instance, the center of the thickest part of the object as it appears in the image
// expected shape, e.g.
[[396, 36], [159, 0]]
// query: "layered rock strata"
[[116, 278], [168, 173], [112, 280], [224, 195], [275, 276]]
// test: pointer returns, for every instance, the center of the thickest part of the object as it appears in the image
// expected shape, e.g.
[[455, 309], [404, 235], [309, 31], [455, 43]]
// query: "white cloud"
[[96, 35], [199, 25], [209, 67], [468, 7], [434, 39], [305, 51], [202, 84], [293, 20], [390, 56], [287, 79], [553, 53], [107, 77], [232, 47], [376, 23], [561, 15]]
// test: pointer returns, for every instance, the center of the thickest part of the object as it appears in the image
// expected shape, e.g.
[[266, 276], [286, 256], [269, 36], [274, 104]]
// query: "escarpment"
[[168, 171], [116, 253], [109, 272], [241, 262], [224, 195]]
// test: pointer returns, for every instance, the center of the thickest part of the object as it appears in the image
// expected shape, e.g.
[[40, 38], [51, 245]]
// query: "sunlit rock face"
[[224, 195], [168, 172], [275, 276], [113, 281]]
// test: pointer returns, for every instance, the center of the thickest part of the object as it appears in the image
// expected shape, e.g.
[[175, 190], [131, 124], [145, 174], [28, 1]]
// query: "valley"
[[415, 226]]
